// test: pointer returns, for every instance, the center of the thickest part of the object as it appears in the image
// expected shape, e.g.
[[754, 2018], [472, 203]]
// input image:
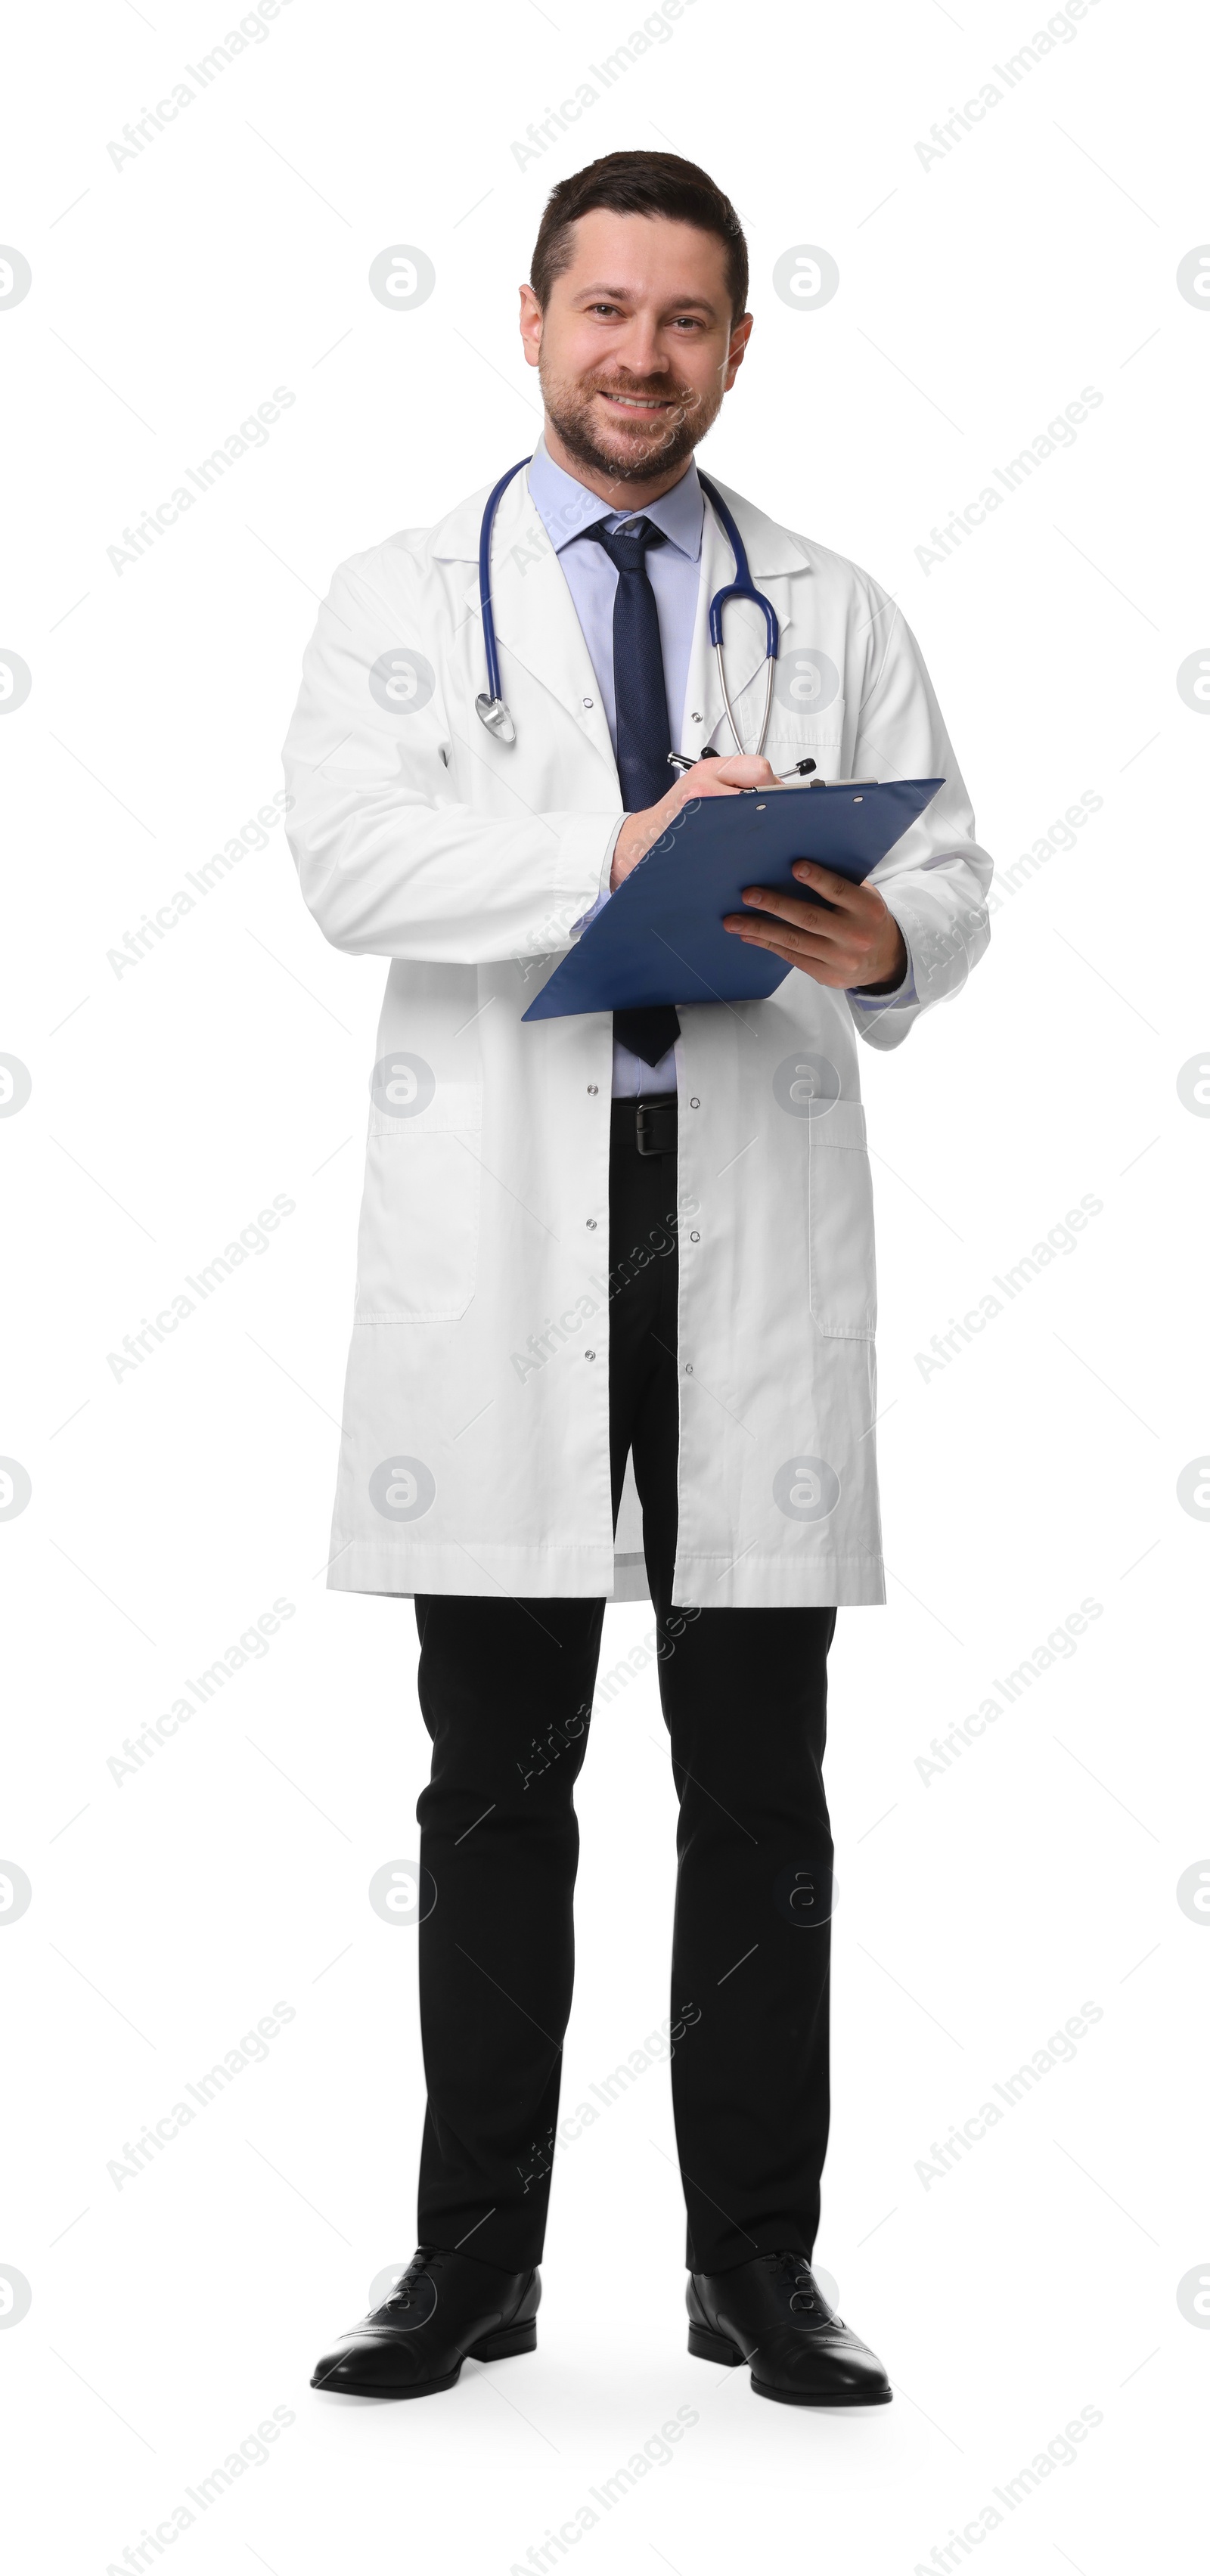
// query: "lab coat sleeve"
[[390, 863], [936, 878]]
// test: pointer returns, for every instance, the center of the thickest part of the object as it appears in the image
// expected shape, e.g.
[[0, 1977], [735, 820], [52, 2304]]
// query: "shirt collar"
[[566, 507]]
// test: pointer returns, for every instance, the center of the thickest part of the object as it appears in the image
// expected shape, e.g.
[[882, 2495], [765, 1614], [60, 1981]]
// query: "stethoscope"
[[491, 708]]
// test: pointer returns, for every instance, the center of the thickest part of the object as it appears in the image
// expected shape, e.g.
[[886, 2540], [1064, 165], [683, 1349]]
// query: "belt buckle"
[[648, 1114]]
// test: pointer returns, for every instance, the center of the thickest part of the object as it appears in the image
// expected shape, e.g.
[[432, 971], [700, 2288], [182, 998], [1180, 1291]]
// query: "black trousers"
[[506, 1690]]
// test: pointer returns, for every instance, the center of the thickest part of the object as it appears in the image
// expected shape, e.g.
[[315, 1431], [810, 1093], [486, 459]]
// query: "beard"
[[613, 447]]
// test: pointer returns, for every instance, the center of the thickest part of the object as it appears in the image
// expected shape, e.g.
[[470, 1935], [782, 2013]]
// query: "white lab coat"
[[475, 1448]]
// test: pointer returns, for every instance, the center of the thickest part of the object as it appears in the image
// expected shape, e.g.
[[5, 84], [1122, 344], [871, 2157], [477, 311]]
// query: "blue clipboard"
[[660, 938]]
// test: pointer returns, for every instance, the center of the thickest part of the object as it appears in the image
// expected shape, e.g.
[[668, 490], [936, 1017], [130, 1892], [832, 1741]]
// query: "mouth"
[[640, 406]]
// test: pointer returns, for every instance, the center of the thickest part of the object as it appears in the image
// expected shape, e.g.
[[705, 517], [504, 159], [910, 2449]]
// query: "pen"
[[681, 760]]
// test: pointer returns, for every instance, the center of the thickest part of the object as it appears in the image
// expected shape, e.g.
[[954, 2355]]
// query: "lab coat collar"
[[771, 549]]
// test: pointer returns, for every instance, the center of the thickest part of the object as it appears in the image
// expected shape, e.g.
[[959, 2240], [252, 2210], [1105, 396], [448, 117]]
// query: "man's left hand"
[[859, 944]]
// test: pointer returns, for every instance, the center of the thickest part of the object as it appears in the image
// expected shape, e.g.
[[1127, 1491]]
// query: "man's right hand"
[[707, 778]]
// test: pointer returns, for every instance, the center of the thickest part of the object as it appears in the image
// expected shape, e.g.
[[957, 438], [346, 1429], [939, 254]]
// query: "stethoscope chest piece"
[[493, 713]]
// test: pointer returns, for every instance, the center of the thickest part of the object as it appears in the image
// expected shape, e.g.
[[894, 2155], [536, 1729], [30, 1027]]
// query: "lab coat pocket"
[[792, 736], [418, 1245], [843, 1294]]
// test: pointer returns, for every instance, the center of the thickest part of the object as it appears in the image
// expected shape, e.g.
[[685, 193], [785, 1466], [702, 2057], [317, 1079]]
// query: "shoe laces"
[[410, 2284], [793, 2272]]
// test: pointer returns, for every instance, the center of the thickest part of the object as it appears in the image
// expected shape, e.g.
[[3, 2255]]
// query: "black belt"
[[648, 1125]]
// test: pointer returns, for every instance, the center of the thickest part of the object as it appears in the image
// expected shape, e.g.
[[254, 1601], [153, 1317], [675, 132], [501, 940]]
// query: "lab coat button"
[[688, 1368], [591, 1223], [592, 1089], [695, 1238], [590, 1355], [695, 1104]]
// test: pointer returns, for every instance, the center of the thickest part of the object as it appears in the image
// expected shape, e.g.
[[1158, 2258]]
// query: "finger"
[[705, 782], [793, 944], [788, 907], [833, 888], [823, 970], [741, 769], [763, 926]]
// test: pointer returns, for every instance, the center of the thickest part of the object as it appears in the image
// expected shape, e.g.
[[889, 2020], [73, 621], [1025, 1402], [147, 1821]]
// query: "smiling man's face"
[[634, 351]]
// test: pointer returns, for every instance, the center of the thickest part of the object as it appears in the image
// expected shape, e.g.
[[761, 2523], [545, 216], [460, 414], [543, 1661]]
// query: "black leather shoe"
[[773, 2314], [445, 2307]]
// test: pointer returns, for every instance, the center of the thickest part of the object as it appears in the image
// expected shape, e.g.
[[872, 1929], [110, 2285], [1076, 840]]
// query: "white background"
[[980, 1907]]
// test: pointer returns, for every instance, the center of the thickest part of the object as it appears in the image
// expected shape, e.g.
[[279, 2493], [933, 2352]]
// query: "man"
[[532, 1428]]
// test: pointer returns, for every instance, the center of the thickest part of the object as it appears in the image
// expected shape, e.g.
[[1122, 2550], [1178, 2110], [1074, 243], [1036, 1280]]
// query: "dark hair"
[[639, 183]]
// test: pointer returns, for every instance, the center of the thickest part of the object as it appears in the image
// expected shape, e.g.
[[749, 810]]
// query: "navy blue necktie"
[[644, 742]]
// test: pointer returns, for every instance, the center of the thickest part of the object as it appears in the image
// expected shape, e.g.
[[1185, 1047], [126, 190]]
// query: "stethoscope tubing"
[[485, 580], [743, 587]]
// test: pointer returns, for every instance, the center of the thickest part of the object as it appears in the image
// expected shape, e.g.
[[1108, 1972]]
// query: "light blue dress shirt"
[[566, 508]]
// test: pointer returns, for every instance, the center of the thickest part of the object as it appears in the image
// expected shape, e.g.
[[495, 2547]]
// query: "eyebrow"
[[701, 303]]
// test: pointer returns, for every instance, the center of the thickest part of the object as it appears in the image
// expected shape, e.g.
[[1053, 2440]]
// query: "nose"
[[640, 350]]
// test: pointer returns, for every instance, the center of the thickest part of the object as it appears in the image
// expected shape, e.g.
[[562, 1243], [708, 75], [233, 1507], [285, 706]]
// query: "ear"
[[735, 350], [531, 325]]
